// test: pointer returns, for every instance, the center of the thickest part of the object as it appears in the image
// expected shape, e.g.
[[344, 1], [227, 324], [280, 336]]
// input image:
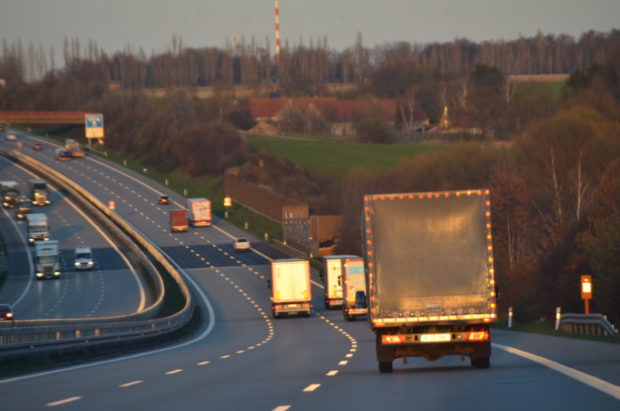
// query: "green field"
[[335, 159], [557, 88]]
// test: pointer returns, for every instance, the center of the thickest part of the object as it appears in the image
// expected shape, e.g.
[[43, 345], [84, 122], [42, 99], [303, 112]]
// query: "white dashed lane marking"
[[130, 384], [61, 402], [311, 387]]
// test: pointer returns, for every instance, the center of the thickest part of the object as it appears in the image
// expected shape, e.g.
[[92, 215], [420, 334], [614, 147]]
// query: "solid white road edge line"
[[587, 379]]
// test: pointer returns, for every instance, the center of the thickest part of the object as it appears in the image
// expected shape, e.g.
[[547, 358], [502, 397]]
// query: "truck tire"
[[274, 314], [385, 366], [480, 362], [346, 316], [327, 305]]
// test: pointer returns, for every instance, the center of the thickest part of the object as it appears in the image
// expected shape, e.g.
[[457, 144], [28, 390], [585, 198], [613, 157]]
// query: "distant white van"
[[83, 258]]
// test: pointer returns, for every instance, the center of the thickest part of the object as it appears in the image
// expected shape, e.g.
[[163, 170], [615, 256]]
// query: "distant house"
[[335, 116]]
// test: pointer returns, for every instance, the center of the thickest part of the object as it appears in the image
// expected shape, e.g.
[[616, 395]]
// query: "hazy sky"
[[150, 24]]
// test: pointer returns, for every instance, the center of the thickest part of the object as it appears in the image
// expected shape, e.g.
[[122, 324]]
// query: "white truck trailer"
[[331, 274], [290, 286], [199, 212], [38, 229], [429, 266], [46, 259]]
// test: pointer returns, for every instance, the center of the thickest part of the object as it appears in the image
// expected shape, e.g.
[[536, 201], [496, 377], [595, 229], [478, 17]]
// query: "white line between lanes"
[[130, 384], [282, 408], [66, 400], [587, 379], [311, 387]]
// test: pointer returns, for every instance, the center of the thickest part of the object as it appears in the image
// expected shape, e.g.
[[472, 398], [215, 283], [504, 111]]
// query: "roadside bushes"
[[173, 133]]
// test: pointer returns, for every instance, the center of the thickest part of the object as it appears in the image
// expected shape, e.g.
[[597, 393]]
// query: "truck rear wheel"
[[346, 316], [327, 305], [385, 366], [480, 362]]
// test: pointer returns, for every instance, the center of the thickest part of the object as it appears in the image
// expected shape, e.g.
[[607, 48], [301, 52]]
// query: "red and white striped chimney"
[[277, 15]]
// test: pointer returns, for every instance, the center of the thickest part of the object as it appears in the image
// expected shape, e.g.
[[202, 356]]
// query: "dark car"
[[164, 200], [22, 210], [6, 312], [37, 146], [63, 155]]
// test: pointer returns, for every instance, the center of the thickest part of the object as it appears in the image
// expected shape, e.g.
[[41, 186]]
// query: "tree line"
[[304, 67]]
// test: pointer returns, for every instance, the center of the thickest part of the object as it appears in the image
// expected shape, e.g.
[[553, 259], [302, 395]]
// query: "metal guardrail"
[[590, 324], [33, 334]]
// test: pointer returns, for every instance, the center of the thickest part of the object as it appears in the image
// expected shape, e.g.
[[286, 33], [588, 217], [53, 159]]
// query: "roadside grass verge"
[[209, 187], [548, 329]]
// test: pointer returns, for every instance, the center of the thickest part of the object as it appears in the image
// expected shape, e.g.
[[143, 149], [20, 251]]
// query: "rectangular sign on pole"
[[93, 125]]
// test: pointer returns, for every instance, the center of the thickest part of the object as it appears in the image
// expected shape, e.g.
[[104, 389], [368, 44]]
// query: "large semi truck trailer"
[[429, 267]]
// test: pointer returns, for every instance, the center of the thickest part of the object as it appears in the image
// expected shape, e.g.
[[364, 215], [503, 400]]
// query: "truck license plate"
[[435, 337]]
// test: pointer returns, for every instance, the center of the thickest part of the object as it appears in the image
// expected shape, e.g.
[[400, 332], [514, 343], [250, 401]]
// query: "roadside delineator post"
[[510, 317], [586, 292], [558, 317]]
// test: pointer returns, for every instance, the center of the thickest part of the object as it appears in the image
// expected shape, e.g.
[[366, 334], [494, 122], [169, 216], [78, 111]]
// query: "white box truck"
[[331, 274], [199, 210], [46, 259], [290, 287], [38, 229]]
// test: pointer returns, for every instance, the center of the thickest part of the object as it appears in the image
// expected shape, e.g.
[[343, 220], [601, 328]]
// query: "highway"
[[241, 358], [112, 287]]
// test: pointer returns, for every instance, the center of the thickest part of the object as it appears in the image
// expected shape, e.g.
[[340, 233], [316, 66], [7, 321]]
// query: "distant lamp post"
[[586, 292], [227, 204]]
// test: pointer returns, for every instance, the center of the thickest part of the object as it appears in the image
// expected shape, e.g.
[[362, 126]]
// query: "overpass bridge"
[[42, 117]]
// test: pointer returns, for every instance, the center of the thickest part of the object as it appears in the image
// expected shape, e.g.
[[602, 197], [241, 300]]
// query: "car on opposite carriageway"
[[6, 312]]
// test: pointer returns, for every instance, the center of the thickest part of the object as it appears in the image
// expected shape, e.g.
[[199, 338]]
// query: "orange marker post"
[[586, 291]]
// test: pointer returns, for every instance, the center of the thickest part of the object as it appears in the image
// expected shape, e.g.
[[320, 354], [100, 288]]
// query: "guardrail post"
[[558, 317], [510, 317]]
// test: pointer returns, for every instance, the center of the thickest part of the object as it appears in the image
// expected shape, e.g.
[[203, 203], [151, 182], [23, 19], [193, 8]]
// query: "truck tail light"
[[478, 335], [392, 339]]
